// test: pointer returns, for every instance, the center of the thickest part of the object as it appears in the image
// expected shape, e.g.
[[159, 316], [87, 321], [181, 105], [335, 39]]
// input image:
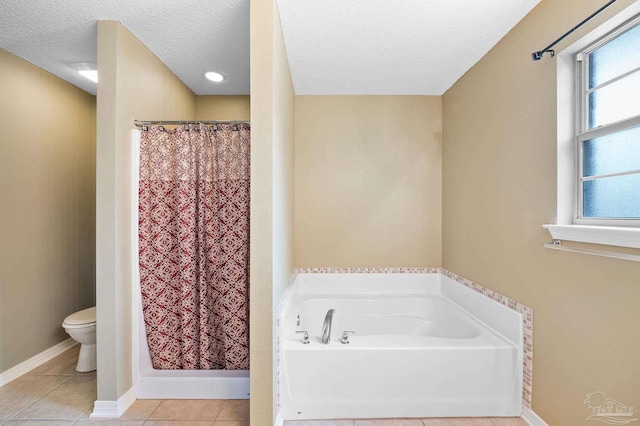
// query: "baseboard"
[[531, 418], [35, 361], [113, 409], [279, 421]]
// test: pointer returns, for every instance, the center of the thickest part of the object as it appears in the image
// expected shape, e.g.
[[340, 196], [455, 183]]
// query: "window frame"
[[584, 133], [568, 226]]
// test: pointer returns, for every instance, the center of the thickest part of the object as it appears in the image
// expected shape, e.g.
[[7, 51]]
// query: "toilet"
[[81, 326]]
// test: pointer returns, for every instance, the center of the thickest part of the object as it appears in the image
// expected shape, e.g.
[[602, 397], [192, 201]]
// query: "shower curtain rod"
[[536, 56], [140, 123]]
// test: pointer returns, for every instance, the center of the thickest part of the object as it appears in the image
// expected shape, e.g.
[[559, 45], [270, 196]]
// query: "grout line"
[[152, 411], [220, 410], [77, 421], [36, 401], [47, 419], [49, 375]]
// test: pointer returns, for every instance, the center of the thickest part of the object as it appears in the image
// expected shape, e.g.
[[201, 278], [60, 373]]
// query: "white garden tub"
[[425, 346]]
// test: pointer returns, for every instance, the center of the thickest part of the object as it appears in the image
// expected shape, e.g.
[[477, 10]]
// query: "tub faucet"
[[326, 327]]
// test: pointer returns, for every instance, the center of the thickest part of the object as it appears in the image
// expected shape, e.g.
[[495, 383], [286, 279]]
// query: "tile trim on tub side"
[[525, 311]]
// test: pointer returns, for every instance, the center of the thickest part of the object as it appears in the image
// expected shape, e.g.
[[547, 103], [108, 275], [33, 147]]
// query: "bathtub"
[[424, 346]]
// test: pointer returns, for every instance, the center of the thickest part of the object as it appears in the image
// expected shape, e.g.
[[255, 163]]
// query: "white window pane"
[[615, 101], [615, 153], [613, 197], [620, 55]]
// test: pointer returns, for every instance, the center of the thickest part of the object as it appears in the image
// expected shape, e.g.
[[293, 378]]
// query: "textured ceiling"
[[416, 47], [189, 36], [410, 47]]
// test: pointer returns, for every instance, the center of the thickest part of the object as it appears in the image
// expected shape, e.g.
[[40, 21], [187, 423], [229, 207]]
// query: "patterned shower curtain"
[[194, 245]]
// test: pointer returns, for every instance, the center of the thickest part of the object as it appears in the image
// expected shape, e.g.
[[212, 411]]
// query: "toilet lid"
[[85, 316]]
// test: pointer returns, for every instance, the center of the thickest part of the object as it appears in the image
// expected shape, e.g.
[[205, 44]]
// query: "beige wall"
[[47, 207], [134, 84], [499, 187], [237, 107], [271, 199], [368, 181]]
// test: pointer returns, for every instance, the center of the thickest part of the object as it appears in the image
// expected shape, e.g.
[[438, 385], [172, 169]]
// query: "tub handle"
[[345, 337], [305, 336]]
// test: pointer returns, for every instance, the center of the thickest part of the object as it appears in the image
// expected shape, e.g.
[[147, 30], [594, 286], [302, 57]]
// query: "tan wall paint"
[[47, 207], [271, 199], [237, 107], [134, 84], [499, 187], [368, 181]]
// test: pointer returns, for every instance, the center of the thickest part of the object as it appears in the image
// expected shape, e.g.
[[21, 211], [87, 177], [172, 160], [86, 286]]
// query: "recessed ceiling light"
[[90, 74], [216, 77], [87, 70]]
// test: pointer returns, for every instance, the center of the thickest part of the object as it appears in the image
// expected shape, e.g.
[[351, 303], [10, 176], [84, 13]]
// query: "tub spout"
[[326, 327]]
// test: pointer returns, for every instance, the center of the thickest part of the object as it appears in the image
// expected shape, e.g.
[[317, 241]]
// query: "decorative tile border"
[[525, 311], [367, 270]]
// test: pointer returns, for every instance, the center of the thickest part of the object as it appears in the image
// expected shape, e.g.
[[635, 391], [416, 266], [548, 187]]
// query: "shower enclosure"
[[165, 364]]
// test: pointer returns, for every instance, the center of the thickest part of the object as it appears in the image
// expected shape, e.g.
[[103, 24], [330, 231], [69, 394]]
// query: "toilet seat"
[[84, 318]]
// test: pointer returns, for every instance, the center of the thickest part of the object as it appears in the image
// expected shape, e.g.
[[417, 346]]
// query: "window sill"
[[606, 235]]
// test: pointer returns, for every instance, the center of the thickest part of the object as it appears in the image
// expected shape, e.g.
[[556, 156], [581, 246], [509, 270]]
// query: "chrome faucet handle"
[[305, 336], [345, 337]]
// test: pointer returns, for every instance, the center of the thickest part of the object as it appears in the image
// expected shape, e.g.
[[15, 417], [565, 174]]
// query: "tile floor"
[[55, 394]]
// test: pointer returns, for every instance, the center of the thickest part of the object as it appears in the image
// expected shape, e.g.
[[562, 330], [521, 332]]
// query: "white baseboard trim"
[[531, 418], [113, 409], [35, 361], [279, 421]]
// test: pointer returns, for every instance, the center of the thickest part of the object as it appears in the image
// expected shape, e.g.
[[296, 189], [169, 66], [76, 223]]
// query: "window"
[[608, 128], [598, 107]]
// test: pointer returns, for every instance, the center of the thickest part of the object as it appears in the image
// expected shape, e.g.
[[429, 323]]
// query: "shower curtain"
[[194, 245]]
